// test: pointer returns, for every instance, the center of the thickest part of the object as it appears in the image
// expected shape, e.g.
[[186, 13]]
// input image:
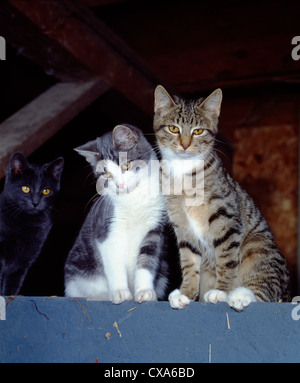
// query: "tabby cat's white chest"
[[198, 222]]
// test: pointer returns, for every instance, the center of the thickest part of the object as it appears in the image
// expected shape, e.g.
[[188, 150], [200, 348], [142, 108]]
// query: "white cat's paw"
[[240, 298], [215, 296], [178, 300], [145, 295], [119, 296]]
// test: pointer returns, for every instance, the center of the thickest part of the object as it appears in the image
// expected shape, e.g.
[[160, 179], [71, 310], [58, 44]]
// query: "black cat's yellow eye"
[[173, 129], [126, 166], [25, 189], [106, 175], [46, 191], [198, 131]]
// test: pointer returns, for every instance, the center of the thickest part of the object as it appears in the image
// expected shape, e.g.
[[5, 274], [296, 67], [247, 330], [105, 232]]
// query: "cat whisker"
[[14, 210], [49, 213], [220, 141], [89, 176], [222, 153], [90, 200]]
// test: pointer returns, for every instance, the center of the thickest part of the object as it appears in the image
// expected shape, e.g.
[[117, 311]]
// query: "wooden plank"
[[81, 33], [68, 330], [98, 3], [34, 124], [197, 47], [39, 47]]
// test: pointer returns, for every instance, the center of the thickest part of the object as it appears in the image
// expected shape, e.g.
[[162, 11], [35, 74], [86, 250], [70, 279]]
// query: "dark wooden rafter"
[[34, 124], [97, 3], [39, 47], [69, 42], [80, 33], [197, 46]]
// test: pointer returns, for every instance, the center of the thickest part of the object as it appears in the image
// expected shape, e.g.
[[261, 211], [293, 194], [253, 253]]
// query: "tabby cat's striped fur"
[[227, 251]]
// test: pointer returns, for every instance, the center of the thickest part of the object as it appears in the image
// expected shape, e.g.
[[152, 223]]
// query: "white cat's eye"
[[197, 132], [25, 189], [126, 166], [173, 128], [106, 175]]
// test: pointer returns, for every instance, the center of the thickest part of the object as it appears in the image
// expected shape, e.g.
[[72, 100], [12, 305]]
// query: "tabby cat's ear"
[[18, 163], [55, 168], [162, 100], [89, 151], [123, 137], [212, 103]]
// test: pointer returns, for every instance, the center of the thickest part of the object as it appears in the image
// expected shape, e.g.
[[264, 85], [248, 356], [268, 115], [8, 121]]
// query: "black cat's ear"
[[89, 151], [55, 168], [162, 100], [18, 163], [212, 103], [123, 137]]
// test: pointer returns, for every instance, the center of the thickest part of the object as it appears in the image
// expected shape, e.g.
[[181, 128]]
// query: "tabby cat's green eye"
[[126, 166], [106, 175], [25, 189], [173, 129], [198, 131], [46, 191]]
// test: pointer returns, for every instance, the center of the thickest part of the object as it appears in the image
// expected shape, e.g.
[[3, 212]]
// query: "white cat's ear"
[[18, 163], [212, 103], [123, 137], [162, 100], [89, 151]]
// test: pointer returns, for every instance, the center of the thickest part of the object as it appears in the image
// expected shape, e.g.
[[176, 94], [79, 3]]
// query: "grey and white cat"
[[120, 252]]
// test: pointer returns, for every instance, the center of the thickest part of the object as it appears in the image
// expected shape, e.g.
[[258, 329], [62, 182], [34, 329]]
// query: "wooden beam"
[[76, 28], [34, 124], [31, 42], [98, 3], [204, 46]]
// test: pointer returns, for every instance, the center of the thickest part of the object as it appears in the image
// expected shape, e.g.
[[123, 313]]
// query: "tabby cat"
[[26, 203], [120, 251], [227, 251]]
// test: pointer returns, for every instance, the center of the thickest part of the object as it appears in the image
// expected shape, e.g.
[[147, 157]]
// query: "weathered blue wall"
[[39, 329]]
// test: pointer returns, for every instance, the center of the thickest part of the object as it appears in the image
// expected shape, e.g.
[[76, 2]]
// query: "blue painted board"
[[41, 329]]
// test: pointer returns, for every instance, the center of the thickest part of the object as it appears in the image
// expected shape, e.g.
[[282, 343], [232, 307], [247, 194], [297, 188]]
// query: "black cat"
[[25, 206]]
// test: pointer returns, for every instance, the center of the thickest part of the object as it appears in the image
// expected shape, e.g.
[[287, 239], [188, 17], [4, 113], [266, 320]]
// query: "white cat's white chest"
[[135, 214], [138, 210]]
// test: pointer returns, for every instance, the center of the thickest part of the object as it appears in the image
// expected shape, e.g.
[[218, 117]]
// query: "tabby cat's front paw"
[[178, 300], [240, 298], [119, 296], [145, 295], [215, 296]]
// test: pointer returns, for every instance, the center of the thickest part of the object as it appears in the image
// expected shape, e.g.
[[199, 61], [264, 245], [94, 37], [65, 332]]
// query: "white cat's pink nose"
[[121, 186]]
